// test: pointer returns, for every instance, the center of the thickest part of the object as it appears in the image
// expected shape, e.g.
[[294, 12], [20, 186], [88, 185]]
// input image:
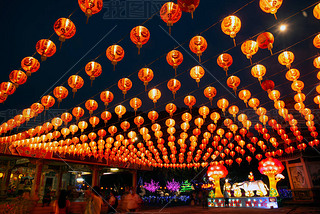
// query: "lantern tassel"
[[275, 16], [138, 50], [174, 96], [73, 95], [191, 15], [58, 104], [199, 58], [154, 105], [87, 19], [175, 72], [211, 102], [60, 45], [114, 67], [234, 42], [271, 51], [198, 84], [250, 61]]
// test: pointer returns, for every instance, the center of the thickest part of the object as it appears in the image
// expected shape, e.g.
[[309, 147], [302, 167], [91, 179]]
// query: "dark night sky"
[[26, 22]]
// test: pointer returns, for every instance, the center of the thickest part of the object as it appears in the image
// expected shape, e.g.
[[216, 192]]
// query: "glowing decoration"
[[249, 187], [138, 121], [120, 110], [139, 35], [90, 7], [124, 85], [270, 6], [64, 28], [186, 186], [174, 58], [249, 48], [60, 93], [286, 58], [106, 116], [135, 103], [188, 6], [91, 105], [258, 71], [316, 41], [17, 77], [254, 103], [82, 126], [198, 45], [225, 61], [46, 48], [223, 104], [7, 88], [204, 111], [215, 172], [145, 75], [316, 62], [75, 82], [30, 65], [171, 108], [197, 73], [190, 101], [47, 101], [93, 70], [28, 113], [316, 11], [115, 54], [56, 122], [267, 85], [233, 82], [66, 118], [154, 95], [272, 168], [231, 25], [174, 85], [292, 74], [77, 112], [152, 186], [210, 92], [170, 13], [106, 97], [297, 85], [234, 110]]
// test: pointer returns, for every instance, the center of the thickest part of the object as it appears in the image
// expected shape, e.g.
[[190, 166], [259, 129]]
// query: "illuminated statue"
[[227, 187], [251, 176], [259, 186]]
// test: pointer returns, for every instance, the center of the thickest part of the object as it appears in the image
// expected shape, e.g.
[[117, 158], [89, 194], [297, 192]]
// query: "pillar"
[[37, 180], [134, 179], [59, 184], [5, 181], [95, 176]]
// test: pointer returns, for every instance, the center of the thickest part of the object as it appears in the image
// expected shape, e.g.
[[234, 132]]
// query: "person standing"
[[62, 205], [112, 203], [94, 201], [226, 198], [133, 201]]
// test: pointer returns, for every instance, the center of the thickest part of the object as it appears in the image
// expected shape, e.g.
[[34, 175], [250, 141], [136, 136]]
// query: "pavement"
[[189, 209]]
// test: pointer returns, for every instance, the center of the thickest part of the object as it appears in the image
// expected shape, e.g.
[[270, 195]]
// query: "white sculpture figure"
[[227, 187], [259, 186]]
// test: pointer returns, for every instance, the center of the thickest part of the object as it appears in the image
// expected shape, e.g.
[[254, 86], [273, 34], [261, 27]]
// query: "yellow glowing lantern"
[[154, 94], [293, 74], [316, 42], [297, 85], [258, 71], [244, 95], [198, 45], [174, 85], [254, 103], [249, 48], [316, 11], [190, 101], [223, 104], [316, 62], [171, 108], [135, 103], [233, 82], [231, 25], [120, 110], [210, 92], [204, 111], [286, 58], [234, 110], [270, 6], [197, 73]]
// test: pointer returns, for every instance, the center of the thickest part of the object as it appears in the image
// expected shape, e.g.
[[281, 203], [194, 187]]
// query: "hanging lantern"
[[223, 104], [267, 85], [37, 108], [198, 45], [145, 75], [28, 113], [190, 101], [30, 65], [171, 108], [258, 71], [204, 111], [75, 82], [90, 7], [316, 62], [7, 88], [139, 35], [94, 121], [233, 82], [17, 77], [154, 95], [188, 6], [93, 70], [254, 103], [174, 85], [249, 48], [174, 58], [64, 28], [91, 105], [106, 116], [234, 111], [197, 73], [124, 85], [153, 116], [270, 6], [170, 13], [47, 101], [106, 97], [292, 74], [225, 61], [77, 112], [60, 93], [316, 41], [286, 58], [56, 122], [82, 126], [210, 92], [46, 48], [66, 118], [120, 110], [265, 40], [231, 25], [297, 85], [135, 103], [115, 54], [138, 121], [187, 117]]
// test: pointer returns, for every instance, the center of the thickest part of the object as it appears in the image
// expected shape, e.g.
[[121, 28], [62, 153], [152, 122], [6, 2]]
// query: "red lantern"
[[106, 97], [90, 7], [270, 6], [91, 105], [77, 112], [170, 13], [174, 58], [145, 75], [124, 85], [30, 65], [46, 48], [231, 25], [210, 92], [47, 101], [64, 28], [17, 77], [75, 82], [174, 85], [139, 35], [198, 45], [93, 70], [106, 116], [267, 85], [188, 6], [265, 40], [115, 54], [249, 48], [60, 93], [190, 101], [225, 61]]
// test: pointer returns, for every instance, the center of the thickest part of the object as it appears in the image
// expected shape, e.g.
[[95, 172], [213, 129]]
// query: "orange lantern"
[[234, 111], [316, 41], [171, 108], [265, 40], [90, 7], [210, 92], [93, 70], [233, 82], [77, 112], [115, 54], [94, 121], [138, 121], [254, 103], [258, 71], [64, 28], [124, 85], [75, 82], [249, 48], [30, 65], [145, 75], [187, 117], [174, 85], [188, 6], [223, 104], [174, 58], [66, 118], [46, 48], [190, 101], [316, 62], [316, 11], [28, 113], [47, 101], [297, 85], [231, 25], [120, 110], [286, 58], [274, 95], [125, 125], [60, 93], [198, 45], [7, 88], [139, 35], [17, 77], [270, 6], [56, 122], [293, 74], [170, 13], [197, 73], [204, 111], [106, 116], [82, 126], [91, 105], [135, 103], [154, 94], [153, 116], [225, 61], [106, 97]]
